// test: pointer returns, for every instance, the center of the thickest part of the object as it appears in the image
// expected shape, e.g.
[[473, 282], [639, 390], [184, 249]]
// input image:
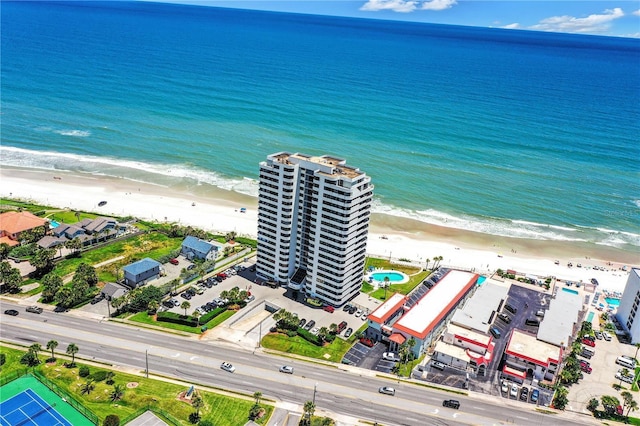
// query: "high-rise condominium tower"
[[313, 220]]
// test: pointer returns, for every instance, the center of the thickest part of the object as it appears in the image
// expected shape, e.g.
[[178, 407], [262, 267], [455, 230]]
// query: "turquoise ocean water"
[[511, 133]]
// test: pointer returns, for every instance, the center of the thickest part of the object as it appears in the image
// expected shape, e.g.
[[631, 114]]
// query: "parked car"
[[510, 308], [624, 378], [310, 325], [598, 334], [286, 369], [174, 261], [451, 403], [329, 308], [315, 331], [341, 326], [606, 336], [504, 317], [532, 322], [514, 390], [505, 387], [495, 332], [358, 313], [346, 307], [302, 323], [524, 394], [34, 309], [348, 332], [186, 295], [589, 342], [352, 310], [535, 395], [390, 356], [584, 366], [227, 367], [540, 313], [387, 390], [439, 365], [250, 298], [11, 312]]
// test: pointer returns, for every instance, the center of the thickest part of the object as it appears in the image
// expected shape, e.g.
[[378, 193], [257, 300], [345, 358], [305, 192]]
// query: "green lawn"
[[385, 264], [145, 318], [297, 345], [219, 409], [405, 288], [153, 245]]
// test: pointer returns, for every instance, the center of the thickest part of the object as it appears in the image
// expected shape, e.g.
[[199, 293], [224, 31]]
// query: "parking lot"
[[602, 378]]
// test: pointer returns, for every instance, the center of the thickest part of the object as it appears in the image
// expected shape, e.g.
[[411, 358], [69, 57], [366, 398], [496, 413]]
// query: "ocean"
[[511, 133]]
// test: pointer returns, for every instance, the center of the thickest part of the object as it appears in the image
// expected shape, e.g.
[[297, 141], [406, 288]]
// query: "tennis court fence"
[[11, 376], [168, 418], [67, 398]]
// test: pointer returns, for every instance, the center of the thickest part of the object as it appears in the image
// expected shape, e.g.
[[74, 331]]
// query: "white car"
[[286, 369], [627, 379], [227, 367], [505, 387], [387, 390], [315, 331], [514, 390], [606, 336], [358, 313], [390, 356]]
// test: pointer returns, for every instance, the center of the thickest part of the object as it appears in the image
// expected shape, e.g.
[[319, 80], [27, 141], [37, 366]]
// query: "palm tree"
[[257, 395], [197, 403], [117, 393], [322, 333], [153, 306], [109, 377], [87, 387], [624, 372], [333, 328], [185, 305], [72, 350], [427, 265], [196, 314], [631, 406], [309, 408], [35, 348], [51, 345], [386, 284]]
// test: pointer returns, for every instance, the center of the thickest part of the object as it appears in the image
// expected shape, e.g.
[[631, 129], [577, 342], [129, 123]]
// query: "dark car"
[[504, 317], [532, 322], [352, 310], [302, 323], [524, 394], [346, 307], [495, 332], [451, 403], [510, 308], [186, 295], [535, 394], [174, 261], [11, 312], [342, 326], [310, 325]]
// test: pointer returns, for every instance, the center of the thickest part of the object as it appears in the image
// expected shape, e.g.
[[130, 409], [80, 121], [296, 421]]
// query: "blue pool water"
[[590, 316], [612, 302], [393, 276], [568, 290], [54, 223], [481, 279]]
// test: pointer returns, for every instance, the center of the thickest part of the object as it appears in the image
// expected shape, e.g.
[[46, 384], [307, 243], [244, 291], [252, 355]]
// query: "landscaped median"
[[126, 395]]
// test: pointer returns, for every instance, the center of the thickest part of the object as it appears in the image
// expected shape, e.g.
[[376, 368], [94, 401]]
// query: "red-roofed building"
[[13, 224], [527, 355], [381, 320]]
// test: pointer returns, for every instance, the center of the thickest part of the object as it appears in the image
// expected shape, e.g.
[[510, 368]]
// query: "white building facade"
[[628, 309], [313, 222]]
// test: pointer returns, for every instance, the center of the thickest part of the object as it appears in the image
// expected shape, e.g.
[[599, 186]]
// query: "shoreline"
[[218, 210]]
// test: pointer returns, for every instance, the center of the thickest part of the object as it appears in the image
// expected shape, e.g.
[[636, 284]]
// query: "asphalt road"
[[346, 391]]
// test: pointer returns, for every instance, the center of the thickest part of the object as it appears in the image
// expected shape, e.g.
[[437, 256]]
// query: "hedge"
[[212, 314], [177, 319], [309, 337]]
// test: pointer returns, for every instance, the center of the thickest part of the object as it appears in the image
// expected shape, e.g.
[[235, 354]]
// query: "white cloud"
[[395, 5], [513, 26], [636, 12], [406, 6], [438, 4], [569, 24]]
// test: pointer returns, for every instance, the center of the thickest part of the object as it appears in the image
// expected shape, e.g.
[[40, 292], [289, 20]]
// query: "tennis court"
[[28, 409], [27, 402]]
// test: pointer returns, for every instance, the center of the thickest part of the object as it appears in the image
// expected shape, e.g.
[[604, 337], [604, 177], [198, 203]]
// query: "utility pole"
[[315, 388]]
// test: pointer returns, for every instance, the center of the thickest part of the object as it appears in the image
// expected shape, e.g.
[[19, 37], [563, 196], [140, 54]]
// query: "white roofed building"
[[628, 309]]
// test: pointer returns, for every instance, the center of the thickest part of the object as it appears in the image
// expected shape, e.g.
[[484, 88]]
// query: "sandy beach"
[[220, 211]]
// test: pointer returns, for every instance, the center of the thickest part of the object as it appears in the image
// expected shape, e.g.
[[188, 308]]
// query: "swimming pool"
[[54, 223], [481, 279], [612, 302], [590, 316], [394, 277], [568, 290]]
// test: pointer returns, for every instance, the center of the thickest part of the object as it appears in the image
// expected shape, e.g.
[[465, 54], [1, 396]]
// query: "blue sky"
[[619, 18]]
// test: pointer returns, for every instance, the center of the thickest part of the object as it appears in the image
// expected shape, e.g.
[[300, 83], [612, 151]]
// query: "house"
[[68, 231], [195, 248], [50, 241], [526, 356], [112, 291], [12, 224], [138, 273]]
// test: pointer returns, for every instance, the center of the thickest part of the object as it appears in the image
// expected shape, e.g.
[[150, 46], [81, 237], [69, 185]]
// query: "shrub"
[[3, 359], [111, 420], [205, 423], [99, 375], [211, 315], [292, 333], [309, 337], [194, 418], [177, 319], [83, 371], [330, 337]]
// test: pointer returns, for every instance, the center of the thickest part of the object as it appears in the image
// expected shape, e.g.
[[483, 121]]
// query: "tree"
[[610, 403], [74, 245], [426, 267], [196, 314], [87, 387], [631, 406], [560, 399], [31, 357], [197, 403], [4, 250], [109, 377], [43, 261], [72, 350], [118, 302], [623, 373], [12, 280], [309, 409], [52, 345], [87, 273], [322, 333], [185, 305], [153, 306], [593, 404], [333, 328], [51, 283], [117, 393], [286, 320], [257, 395], [385, 285], [111, 420]]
